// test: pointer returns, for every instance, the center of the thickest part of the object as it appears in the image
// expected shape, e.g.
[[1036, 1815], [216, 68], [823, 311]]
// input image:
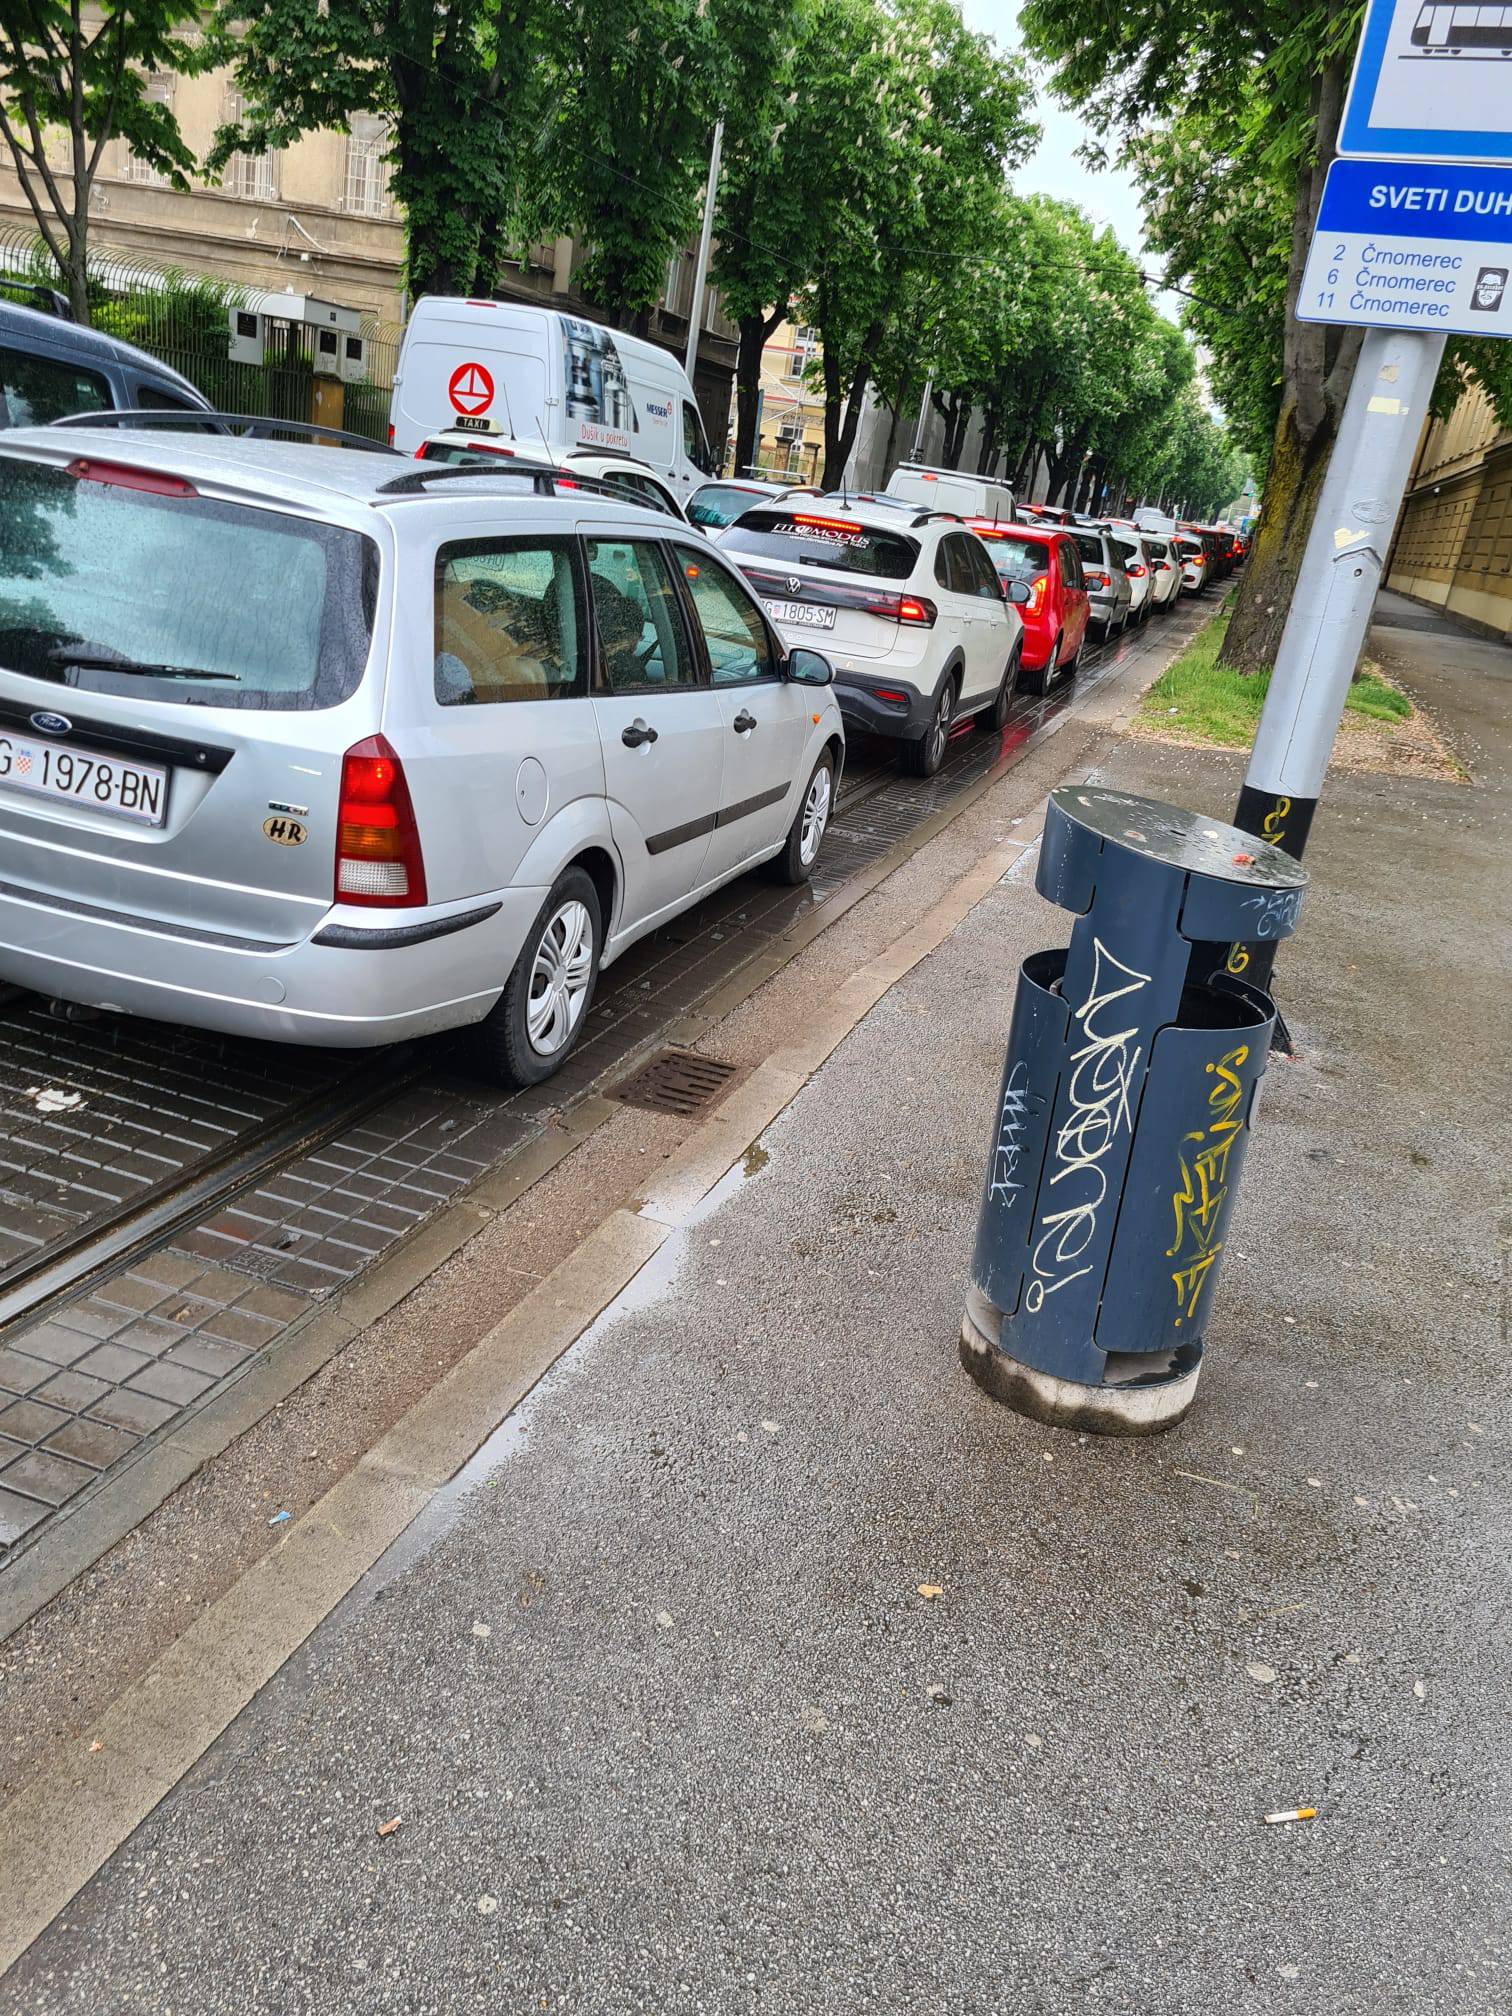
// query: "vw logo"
[[794, 584], [52, 724]]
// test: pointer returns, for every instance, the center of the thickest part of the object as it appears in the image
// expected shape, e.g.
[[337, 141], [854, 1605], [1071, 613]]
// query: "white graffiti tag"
[[1102, 1072], [1003, 1184]]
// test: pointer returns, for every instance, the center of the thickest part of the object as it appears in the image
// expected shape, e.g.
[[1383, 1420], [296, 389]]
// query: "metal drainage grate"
[[677, 1081]]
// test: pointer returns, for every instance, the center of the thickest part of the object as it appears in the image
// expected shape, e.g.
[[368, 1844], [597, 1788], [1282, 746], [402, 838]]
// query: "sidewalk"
[[654, 1696]]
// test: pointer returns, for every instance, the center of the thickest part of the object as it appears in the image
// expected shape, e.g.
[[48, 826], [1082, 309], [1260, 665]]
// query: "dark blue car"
[[50, 367]]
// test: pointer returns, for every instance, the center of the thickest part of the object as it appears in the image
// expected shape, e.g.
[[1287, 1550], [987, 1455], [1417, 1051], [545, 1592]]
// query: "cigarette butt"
[[1299, 1813]]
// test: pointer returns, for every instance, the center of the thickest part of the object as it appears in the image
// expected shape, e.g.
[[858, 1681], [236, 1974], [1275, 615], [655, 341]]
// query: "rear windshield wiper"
[[136, 668]]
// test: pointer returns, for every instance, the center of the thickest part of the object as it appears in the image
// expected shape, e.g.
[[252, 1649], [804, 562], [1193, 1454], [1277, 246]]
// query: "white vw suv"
[[906, 604]]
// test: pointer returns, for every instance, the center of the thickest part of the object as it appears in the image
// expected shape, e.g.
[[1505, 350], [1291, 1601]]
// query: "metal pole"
[[1342, 565], [701, 269], [918, 446]]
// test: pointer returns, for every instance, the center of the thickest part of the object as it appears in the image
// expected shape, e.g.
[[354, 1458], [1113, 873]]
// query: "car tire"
[[805, 836], [923, 755], [1041, 681], [994, 719], [513, 1044]]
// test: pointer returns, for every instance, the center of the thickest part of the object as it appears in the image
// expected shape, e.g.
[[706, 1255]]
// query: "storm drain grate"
[[677, 1081]]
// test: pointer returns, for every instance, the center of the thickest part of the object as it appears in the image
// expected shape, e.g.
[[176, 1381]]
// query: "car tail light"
[[1096, 580], [1038, 589], [391, 433], [1136, 572], [917, 609], [826, 524], [378, 859], [891, 693], [121, 476]]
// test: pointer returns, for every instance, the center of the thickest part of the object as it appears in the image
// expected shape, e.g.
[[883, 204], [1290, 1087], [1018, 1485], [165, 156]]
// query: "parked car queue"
[[205, 834]]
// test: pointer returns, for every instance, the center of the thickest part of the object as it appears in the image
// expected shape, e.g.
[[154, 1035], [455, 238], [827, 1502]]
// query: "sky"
[[1053, 170]]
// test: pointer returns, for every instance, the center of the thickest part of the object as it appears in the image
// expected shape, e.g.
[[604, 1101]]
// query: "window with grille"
[[158, 90], [253, 177], [367, 168]]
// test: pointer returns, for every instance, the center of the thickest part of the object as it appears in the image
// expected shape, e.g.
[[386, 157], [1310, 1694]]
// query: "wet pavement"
[[763, 1663], [103, 1122]]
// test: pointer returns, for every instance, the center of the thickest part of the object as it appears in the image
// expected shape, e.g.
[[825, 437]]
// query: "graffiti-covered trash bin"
[[1124, 1114]]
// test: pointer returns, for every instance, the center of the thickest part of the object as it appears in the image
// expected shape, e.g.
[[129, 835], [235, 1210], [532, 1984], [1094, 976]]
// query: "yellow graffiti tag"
[[1273, 825], [1197, 1203]]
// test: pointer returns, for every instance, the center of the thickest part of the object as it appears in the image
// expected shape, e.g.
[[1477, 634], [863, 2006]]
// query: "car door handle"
[[636, 733], [744, 722]]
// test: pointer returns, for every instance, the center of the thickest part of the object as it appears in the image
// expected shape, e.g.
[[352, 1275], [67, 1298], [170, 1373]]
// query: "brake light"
[[916, 609], [826, 524], [1038, 588], [1136, 572], [891, 693], [391, 433], [378, 859], [1096, 580], [121, 476]]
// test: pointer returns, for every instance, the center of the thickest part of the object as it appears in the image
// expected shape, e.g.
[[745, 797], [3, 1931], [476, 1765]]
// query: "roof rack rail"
[[256, 426], [619, 455], [923, 518], [46, 300], [546, 478]]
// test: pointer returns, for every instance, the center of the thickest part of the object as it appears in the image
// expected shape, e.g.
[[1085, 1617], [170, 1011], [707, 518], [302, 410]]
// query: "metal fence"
[[182, 318]]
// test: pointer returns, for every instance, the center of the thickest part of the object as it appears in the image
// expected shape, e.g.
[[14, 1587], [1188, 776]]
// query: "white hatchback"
[[906, 604]]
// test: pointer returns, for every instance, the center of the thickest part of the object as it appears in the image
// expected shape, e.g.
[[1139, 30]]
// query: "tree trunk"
[[1317, 366], [894, 423], [748, 390], [1297, 468], [987, 459], [842, 409]]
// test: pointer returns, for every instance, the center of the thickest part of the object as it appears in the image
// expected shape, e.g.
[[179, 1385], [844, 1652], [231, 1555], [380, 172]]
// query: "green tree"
[[919, 121], [1257, 86], [462, 87], [635, 91], [84, 75], [770, 214]]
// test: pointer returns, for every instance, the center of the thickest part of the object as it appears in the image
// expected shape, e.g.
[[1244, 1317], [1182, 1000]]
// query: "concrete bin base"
[[1143, 1408]]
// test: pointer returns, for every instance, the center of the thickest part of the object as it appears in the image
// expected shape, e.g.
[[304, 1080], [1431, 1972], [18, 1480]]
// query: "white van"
[[1148, 519], [951, 490], [545, 376]]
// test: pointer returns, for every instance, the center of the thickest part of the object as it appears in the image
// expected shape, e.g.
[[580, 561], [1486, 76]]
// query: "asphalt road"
[[655, 1698]]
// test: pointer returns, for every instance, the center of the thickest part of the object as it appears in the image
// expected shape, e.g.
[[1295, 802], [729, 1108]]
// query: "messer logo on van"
[[51, 724]]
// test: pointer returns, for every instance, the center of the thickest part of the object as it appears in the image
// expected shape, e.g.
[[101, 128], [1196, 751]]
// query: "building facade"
[[318, 218], [1453, 545]]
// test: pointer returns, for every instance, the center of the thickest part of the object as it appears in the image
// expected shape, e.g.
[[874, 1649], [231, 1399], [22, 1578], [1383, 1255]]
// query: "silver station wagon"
[[327, 747]]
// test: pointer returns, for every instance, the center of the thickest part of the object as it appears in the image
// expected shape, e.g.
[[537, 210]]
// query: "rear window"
[[1090, 546], [460, 456], [813, 540], [230, 605], [720, 504], [1192, 548], [1019, 559]]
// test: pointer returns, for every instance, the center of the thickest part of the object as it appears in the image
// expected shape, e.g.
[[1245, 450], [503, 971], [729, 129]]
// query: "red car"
[[1055, 616]]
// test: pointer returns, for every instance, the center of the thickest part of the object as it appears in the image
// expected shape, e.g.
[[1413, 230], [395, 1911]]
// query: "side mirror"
[[808, 668], [1018, 593]]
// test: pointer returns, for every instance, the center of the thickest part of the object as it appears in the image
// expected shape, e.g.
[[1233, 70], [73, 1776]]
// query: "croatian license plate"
[[805, 615], [85, 777]]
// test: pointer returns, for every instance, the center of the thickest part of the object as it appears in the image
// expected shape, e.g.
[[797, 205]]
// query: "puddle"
[[485, 1468]]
